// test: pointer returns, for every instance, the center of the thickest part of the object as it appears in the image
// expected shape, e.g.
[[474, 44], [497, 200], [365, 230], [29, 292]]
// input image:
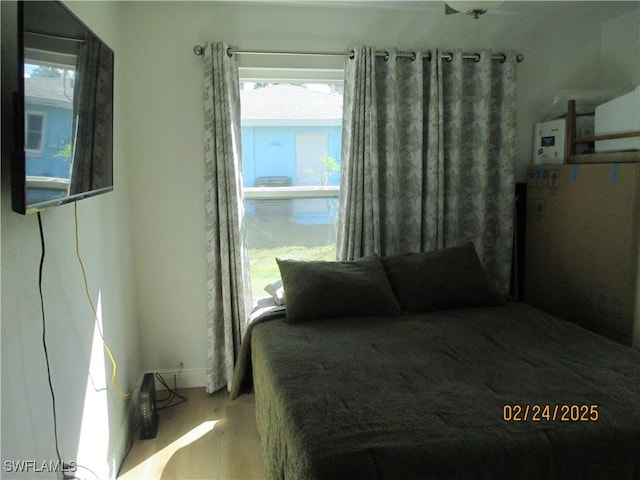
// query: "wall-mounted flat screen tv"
[[65, 107]]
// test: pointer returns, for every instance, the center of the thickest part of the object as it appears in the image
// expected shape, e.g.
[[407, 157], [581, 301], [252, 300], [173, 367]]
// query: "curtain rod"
[[199, 50]]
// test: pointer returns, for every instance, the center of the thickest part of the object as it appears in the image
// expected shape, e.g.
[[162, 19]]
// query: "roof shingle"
[[290, 102]]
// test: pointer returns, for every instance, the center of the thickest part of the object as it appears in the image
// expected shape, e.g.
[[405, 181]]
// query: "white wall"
[[620, 50], [92, 425], [561, 42]]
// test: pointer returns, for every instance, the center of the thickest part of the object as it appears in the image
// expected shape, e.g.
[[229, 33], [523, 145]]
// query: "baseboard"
[[185, 378]]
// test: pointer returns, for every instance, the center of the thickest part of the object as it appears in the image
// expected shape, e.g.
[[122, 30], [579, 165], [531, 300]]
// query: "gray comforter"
[[443, 395]]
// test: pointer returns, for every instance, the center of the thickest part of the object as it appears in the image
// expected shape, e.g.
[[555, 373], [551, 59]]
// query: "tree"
[[64, 153], [330, 167]]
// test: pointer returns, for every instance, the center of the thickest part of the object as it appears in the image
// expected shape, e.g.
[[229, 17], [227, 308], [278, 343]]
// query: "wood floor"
[[207, 437]]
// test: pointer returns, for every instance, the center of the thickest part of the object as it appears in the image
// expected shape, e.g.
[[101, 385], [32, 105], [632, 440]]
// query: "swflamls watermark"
[[39, 466]]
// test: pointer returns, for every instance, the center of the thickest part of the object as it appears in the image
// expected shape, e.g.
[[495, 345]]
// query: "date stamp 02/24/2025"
[[559, 412]]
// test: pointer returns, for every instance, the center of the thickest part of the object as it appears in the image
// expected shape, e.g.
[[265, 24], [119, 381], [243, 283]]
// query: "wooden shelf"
[[610, 136]]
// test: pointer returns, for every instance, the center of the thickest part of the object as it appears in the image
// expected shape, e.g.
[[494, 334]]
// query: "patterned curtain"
[[228, 287], [359, 228], [428, 156], [478, 109]]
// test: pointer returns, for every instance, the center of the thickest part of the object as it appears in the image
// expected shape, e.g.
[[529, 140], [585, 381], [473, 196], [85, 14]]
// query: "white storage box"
[[548, 142], [549, 139], [619, 115]]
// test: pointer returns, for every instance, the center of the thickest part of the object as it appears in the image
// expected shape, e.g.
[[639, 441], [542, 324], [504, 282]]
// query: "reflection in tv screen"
[[67, 107]]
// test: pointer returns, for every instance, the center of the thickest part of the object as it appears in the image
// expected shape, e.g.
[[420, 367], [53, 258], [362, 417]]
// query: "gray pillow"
[[319, 289], [440, 279]]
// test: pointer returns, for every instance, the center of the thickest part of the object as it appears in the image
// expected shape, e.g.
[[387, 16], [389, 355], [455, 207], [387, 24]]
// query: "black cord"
[[173, 393], [46, 357], [126, 454], [87, 469], [44, 340]]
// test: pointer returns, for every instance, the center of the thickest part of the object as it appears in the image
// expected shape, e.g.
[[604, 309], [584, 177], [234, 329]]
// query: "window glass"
[[35, 123], [291, 141]]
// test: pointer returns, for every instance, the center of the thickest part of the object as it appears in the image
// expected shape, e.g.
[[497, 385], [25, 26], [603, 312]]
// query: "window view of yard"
[[301, 246], [291, 140]]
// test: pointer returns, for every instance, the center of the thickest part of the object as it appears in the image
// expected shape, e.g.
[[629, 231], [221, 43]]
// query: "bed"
[[482, 387]]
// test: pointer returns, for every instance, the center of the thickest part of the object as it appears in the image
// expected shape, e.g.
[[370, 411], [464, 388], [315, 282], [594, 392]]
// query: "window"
[[291, 141], [34, 131]]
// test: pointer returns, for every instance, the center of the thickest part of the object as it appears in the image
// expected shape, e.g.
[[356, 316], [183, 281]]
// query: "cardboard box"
[[582, 246], [611, 157]]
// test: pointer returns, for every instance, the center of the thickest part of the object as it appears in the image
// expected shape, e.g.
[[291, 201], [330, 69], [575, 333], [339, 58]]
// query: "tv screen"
[[65, 107]]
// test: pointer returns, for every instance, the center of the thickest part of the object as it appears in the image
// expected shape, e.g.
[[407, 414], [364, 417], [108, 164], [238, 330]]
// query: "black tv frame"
[[13, 104]]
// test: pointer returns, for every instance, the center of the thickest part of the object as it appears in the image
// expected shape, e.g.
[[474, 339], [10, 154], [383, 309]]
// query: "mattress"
[[479, 393]]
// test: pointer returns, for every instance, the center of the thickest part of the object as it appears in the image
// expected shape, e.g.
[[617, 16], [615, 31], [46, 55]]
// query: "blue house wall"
[[269, 151], [56, 135]]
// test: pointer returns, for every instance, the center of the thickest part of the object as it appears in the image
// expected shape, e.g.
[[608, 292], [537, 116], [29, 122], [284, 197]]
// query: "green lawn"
[[264, 269]]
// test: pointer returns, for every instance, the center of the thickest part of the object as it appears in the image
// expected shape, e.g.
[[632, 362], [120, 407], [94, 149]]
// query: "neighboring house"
[[288, 132], [48, 135]]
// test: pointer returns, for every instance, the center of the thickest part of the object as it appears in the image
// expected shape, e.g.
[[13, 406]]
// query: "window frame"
[[291, 193], [43, 116]]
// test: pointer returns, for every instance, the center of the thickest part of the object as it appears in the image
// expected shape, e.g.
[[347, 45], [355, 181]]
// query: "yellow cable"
[[94, 310]]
